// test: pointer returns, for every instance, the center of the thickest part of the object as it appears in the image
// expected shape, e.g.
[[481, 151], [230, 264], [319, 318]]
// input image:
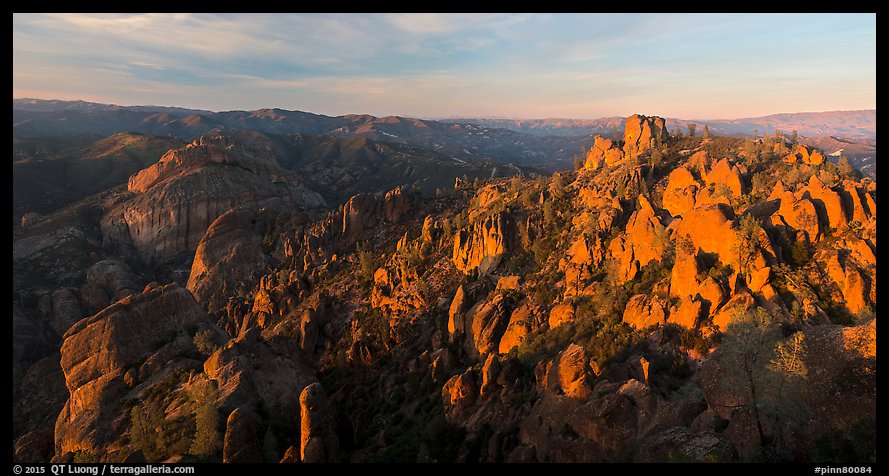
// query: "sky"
[[692, 66]]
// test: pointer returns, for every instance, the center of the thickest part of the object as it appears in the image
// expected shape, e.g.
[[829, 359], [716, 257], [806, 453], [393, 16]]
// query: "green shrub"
[[203, 340]]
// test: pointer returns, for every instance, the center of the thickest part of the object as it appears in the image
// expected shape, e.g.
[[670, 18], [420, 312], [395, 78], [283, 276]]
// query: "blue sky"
[[695, 66]]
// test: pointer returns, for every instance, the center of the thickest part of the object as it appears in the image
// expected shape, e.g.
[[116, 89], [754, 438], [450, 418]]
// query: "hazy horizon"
[[436, 66]]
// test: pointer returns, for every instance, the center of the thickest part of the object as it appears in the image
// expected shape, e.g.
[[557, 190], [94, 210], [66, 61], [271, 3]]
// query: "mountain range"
[[546, 144]]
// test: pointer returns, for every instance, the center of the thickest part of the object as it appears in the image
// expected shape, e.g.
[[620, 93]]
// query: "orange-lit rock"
[[684, 275], [569, 373], [724, 174], [518, 328], [560, 314], [735, 308], [459, 392], [490, 372], [815, 158], [759, 278], [643, 311], [798, 214], [827, 200], [686, 314], [318, 441], [643, 132], [645, 241], [713, 293], [711, 228], [481, 245], [854, 290], [679, 196], [488, 321]]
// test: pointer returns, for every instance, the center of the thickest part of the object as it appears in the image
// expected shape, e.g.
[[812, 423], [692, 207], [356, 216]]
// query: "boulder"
[[684, 275], [318, 441], [229, 254], [488, 321], [456, 318], [107, 281], [643, 311], [520, 325], [65, 310], [679, 196], [560, 314], [490, 372], [569, 373], [728, 175], [458, 393], [686, 314], [736, 306], [243, 437]]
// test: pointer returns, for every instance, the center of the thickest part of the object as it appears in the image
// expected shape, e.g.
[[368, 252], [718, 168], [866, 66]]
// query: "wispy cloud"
[[454, 64]]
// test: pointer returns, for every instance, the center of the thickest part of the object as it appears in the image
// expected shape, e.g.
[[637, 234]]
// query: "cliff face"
[[102, 353], [176, 199], [481, 245]]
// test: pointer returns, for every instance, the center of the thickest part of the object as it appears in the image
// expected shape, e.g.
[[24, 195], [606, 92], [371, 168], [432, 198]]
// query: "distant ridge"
[[855, 124]]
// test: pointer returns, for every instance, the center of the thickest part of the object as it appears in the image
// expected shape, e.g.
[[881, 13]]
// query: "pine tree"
[[706, 132], [691, 129], [846, 169], [207, 422]]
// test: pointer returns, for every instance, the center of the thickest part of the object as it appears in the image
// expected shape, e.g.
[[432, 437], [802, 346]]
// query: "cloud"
[[442, 64]]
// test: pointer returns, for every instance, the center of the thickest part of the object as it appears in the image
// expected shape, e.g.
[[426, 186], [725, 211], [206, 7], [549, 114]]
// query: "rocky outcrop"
[[798, 214], [712, 228], [679, 196], [642, 133], [684, 275], [487, 321], [365, 210], [569, 373], [804, 155], [686, 314], [99, 350], [318, 441], [560, 314], [65, 309], [521, 323], [602, 152], [108, 281], [456, 318], [729, 176], [734, 309], [645, 241], [228, 255], [458, 393], [643, 311], [243, 437], [828, 202], [584, 255], [176, 199], [482, 245]]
